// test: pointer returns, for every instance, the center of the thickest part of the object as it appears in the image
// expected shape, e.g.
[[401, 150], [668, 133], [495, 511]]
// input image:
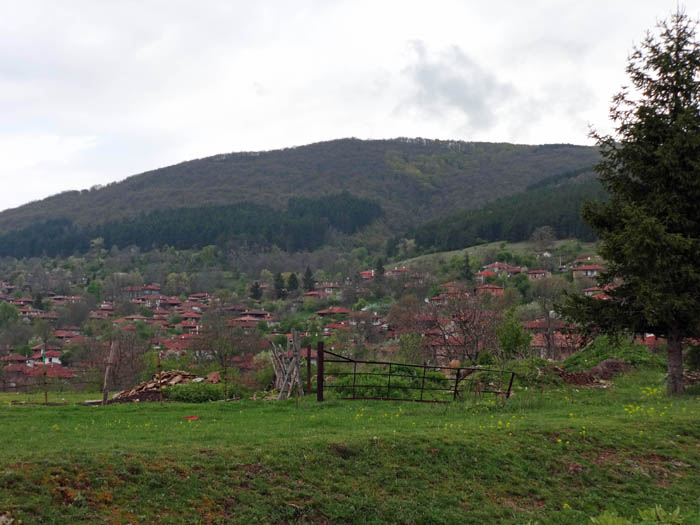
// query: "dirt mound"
[[609, 368], [596, 376]]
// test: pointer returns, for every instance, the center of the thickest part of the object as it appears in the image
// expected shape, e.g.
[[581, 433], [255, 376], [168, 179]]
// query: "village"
[[398, 314]]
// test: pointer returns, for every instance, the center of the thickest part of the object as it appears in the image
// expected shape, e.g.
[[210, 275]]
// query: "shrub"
[[406, 382], [200, 392], [602, 348]]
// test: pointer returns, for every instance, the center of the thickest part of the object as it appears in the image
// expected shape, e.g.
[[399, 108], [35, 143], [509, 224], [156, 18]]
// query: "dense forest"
[[304, 226], [413, 180], [512, 218]]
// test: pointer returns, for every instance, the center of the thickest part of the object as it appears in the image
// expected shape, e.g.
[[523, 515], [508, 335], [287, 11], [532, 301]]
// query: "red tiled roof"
[[13, 357], [335, 310], [49, 353]]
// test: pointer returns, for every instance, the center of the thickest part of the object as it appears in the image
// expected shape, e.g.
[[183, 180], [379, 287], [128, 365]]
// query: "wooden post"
[[388, 385], [46, 392], [160, 388], [354, 377], [308, 369], [297, 365], [319, 372], [456, 393], [510, 384], [108, 371]]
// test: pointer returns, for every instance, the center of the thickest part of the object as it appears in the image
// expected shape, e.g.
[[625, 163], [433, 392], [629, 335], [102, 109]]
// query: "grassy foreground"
[[558, 456]]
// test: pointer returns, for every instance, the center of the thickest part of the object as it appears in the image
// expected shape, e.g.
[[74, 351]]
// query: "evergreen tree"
[[466, 269], [280, 289], [309, 281], [650, 228], [293, 282], [256, 291], [380, 267]]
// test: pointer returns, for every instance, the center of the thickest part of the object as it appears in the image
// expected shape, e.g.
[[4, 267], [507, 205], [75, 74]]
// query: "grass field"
[[477, 252], [556, 456]]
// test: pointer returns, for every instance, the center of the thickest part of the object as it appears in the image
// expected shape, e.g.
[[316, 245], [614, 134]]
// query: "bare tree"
[[465, 328]]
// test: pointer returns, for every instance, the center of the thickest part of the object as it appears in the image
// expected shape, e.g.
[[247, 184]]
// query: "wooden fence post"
[[308, 369], [456, 392], [108, 370], [319, 372]]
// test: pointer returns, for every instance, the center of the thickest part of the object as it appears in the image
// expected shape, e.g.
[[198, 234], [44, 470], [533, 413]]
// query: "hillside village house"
[[533, 275], [590, 271]]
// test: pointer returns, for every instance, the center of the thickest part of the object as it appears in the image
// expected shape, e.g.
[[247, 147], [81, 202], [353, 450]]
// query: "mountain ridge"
[[414, 180]]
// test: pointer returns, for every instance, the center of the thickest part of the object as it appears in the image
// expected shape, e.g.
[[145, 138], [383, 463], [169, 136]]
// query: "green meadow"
[[555, 456]]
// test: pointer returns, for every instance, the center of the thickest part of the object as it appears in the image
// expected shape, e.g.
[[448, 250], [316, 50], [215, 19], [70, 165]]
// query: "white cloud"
[[92, 92]]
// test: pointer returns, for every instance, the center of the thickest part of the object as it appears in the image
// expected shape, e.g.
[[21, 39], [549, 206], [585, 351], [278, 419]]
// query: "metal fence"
[[384, 380]]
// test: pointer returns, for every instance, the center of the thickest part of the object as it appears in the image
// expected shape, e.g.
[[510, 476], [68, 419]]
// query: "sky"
[[93, 92]]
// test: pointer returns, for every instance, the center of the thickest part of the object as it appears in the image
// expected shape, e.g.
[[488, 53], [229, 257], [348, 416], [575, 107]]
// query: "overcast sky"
[[93, 91]]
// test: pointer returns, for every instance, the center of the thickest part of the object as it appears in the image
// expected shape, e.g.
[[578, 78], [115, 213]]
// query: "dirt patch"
[[596, 376], [605, 456], [573, 468], [342, 450], [522, 504], [609, 369]]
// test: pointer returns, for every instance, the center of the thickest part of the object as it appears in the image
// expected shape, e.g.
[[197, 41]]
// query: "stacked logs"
[[149, 389]]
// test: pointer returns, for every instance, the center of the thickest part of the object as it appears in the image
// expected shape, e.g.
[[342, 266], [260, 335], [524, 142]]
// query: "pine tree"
[[466, 269], [309, 281], [293, 282], [380, 267], [649, 230], [280, 288], [256, 291]]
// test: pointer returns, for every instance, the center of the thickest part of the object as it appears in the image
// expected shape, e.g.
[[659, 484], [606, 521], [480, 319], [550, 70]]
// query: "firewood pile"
[[690, 377], [149, 390]]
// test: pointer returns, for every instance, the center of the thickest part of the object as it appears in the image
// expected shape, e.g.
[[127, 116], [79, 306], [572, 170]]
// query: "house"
[[15, 359], [327, 288], [496, 267], [533, 275], [189, 327], [316, 295], [589, 270], [334, 310], [244, 321], [398, 272], [51, 357], [500, 268], [483, 275], [368, 274], [490, 289]]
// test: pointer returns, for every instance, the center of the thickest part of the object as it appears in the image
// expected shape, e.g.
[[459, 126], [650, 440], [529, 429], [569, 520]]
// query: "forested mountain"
[[556, 203], [305, 225], [413, 180]]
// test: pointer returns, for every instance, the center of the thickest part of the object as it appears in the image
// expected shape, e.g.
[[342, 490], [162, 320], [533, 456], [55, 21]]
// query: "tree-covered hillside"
[[304, 226], [414, 180], [513, 218]]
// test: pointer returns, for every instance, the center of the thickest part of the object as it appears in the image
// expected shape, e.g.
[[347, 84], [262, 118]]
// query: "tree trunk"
[[675, 362]]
